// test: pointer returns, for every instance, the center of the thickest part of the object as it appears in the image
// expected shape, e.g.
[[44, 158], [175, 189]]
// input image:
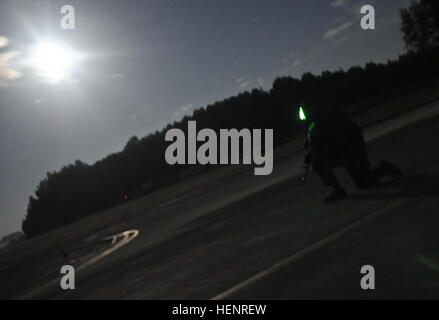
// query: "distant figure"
[[333, 140]]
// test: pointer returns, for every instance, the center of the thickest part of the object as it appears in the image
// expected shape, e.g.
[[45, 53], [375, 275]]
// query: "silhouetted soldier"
[[333, 140]]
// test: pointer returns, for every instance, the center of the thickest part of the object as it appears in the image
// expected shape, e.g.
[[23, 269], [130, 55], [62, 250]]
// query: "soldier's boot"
[[390, 170]]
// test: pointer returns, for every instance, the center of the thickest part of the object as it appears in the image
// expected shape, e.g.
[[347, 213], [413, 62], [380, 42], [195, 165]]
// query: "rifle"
[[306, 165]]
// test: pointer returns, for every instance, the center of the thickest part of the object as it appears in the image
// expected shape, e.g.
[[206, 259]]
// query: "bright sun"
[[53, 61]]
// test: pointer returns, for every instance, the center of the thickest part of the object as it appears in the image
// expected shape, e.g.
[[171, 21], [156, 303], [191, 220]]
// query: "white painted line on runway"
[[127, 237], [267, 272]]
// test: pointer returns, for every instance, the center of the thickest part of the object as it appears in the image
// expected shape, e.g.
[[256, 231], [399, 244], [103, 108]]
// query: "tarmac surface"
[[278, 240]]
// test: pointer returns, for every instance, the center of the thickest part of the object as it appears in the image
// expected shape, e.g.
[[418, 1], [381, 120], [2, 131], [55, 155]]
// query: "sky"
[[131, 67]]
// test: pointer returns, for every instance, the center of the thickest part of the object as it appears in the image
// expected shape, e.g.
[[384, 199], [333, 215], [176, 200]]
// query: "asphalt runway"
[[281, 242]]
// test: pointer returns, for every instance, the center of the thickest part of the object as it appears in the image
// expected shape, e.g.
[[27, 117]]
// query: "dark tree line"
[[79, 189], [420, 25]]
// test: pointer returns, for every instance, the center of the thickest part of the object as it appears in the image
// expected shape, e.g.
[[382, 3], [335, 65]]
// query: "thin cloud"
[[7, 72], [3, 41], [182, 110], [291, 66], [339, 3], [260, 81], [187, 107], [245, 84], [333, 32], [292, 58]]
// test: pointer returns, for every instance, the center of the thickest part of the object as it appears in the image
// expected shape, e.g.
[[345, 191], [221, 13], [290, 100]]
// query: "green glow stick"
[[302, 115]]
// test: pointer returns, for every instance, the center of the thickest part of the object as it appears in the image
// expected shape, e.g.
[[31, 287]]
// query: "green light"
[[302, 115]]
